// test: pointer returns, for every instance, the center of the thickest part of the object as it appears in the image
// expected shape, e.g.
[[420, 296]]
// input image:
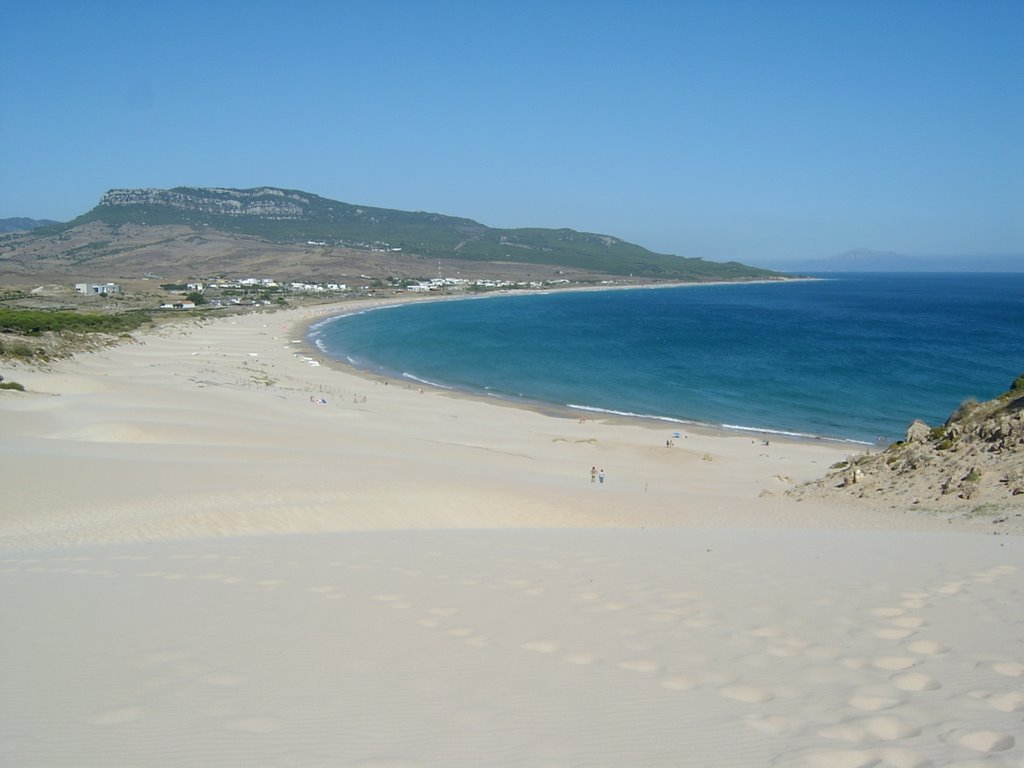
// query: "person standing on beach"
[[593, 474], [600, 477]]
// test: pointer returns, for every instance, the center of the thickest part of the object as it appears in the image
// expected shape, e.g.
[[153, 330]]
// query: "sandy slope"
[[445, 585]]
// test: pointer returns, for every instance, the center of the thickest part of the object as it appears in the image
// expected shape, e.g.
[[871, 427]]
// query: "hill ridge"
[[294, 216]]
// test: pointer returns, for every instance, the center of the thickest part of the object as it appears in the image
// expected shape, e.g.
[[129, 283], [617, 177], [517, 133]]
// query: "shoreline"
[[213, 553], [562, 410], [244, 376]]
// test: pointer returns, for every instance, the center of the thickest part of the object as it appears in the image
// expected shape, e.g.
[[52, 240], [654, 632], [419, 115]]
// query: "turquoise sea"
[[850, 356]]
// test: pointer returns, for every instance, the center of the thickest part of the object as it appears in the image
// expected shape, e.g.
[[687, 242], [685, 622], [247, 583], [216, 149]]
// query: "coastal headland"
[[219, 548]]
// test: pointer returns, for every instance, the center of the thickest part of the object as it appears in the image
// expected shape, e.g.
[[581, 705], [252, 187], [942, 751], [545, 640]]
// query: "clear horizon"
[[762, 133]]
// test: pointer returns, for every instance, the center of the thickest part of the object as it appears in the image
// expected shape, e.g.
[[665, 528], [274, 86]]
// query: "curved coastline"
[[279, 559], [310, 334]]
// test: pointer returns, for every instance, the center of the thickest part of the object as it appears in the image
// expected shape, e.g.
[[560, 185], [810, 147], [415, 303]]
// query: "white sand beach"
[[202, 564]]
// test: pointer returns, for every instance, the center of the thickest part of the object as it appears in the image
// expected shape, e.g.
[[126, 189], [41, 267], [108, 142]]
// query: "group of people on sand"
[[596, 475]]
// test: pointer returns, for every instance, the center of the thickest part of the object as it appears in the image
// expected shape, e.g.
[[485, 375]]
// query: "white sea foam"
[[406, 375], [630, 414], [318, 326], [731, 427], [798, 435]]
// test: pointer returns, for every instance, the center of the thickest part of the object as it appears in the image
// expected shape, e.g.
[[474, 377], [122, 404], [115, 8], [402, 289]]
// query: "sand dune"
[[201, 564]]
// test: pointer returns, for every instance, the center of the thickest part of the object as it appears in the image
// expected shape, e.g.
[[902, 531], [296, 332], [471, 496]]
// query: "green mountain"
[[292, 216]]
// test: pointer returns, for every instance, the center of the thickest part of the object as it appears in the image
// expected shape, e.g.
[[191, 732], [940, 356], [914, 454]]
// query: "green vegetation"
[[12, 385], [31, 322], [291, 216]]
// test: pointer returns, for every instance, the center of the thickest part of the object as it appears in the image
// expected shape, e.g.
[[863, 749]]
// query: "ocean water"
[[850, 357]]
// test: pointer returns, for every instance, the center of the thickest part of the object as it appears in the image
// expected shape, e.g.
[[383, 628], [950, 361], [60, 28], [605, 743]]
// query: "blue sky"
[[756, 131]]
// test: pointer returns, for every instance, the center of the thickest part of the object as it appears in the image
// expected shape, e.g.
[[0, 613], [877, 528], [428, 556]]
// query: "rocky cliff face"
[[972, 463], [264, 202]]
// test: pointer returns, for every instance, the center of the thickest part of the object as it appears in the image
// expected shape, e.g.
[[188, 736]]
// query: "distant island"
[[865, 260]]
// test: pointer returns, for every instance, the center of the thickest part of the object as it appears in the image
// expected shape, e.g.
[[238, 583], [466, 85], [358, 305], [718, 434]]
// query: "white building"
[[91, 288]]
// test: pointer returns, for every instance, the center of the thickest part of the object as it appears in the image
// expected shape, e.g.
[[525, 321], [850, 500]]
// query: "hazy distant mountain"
[[864, 260], [287, 216], [21, 224]]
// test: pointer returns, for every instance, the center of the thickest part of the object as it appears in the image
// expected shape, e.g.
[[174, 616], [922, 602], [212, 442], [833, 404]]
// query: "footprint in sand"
[[873, 703], [679, 683], [645, 666], [748, 694], [888, 612], [582, 659], [854, 662], [1004, 668], [1012, 701], [927, 647], [772, 725], [915, 682], [888, 728], [398, 602], [916, 597], [1004, 570], [1008, 668], [914, 604], [986, 741]]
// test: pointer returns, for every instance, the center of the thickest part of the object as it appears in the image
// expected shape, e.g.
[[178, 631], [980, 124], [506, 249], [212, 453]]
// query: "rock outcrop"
[[264, 202], [974, 462]]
